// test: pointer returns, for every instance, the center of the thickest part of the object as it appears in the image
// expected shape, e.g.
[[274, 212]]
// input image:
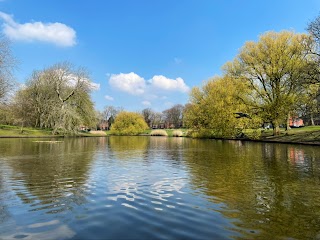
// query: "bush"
[[128, 123], [177, 133], [254, 134], [159, 133]]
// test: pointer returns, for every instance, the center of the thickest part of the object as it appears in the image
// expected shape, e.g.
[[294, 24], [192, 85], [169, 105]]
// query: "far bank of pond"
[[307, 135]]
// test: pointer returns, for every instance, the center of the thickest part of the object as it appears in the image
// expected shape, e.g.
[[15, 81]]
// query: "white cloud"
[[162, 82], [128, 82], [56, 33], [109, 98], [146, 103], [151, 89]]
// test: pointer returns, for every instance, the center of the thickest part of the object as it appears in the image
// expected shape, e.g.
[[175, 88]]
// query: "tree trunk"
[[276, 128], [21, 129], [312, 120], [288, 122]]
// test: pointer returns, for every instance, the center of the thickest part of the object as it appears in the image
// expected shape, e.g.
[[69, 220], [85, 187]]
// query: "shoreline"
[[263, 140]]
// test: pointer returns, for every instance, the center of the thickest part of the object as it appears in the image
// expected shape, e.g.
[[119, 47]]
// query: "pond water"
[[158, 188]]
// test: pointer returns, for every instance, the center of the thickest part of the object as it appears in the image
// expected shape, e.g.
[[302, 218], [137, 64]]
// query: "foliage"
[[128, 123], [275, 69], [158, 132], [6, 114], [309, 102], [58, 98], [211, 112]]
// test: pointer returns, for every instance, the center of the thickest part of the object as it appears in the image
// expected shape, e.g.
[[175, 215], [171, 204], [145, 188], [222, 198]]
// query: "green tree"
[[275, 68], [309, 102], [212, 108], [58, 98], [128, 123]]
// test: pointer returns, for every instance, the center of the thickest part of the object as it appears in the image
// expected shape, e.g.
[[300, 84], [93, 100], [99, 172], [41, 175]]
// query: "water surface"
[[158, 188]]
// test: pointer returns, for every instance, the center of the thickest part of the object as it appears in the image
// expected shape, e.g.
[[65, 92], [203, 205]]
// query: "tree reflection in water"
[[53, 173], [268, 189]]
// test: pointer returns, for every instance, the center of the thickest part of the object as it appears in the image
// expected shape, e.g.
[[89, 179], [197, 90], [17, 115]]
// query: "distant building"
[[296, 122], [103, 125]]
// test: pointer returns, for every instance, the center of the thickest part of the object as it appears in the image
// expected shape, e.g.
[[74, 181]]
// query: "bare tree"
[[174, 116], [109, 114], [314, 29], [148, 114], [8, 64]]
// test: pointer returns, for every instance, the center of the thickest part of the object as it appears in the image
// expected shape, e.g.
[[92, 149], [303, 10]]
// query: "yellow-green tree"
[[128, 123], [275, 68], [212, 108]]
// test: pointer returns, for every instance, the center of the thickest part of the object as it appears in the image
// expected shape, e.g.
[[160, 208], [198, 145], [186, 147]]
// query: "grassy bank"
[[16, 131], [310, 134]]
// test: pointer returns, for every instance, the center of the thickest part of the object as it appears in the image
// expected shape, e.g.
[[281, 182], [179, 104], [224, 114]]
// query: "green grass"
[[16, 131], [309, 134], [304, 134]]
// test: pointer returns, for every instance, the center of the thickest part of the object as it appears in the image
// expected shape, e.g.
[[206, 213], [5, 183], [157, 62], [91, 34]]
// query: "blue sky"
[[143, 53]]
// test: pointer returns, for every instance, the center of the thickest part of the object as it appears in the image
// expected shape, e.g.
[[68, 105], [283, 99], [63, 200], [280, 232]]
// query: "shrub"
[[177, 133], [254, 134], [128, 123], [159, 133]]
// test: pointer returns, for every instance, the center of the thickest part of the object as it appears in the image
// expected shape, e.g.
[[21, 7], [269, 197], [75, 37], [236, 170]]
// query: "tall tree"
[[174, 115], [314, 29], [8, 64], [109, 114], [310, 102], [211, 109], [59, 98], [148, 115], [276, 69]]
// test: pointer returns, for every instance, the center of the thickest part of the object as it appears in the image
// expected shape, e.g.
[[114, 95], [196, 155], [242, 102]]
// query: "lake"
[[158, 188]]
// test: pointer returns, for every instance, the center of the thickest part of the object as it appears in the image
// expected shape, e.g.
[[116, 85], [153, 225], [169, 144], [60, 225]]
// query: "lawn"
[[309, 134], [16, 131]]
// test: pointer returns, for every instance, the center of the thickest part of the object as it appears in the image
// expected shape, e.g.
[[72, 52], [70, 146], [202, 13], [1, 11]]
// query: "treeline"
[[169, 118]]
